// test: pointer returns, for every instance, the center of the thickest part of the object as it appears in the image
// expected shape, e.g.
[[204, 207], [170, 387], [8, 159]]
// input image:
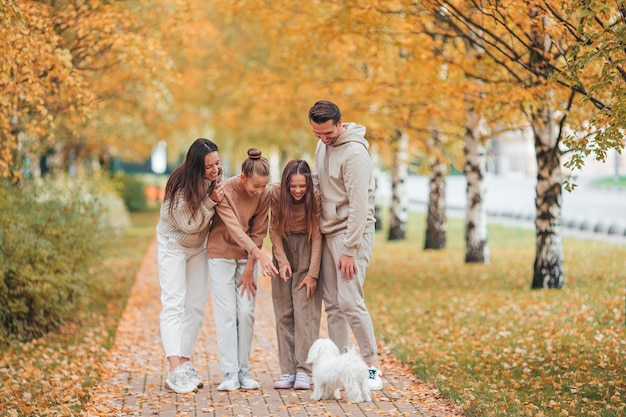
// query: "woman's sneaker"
[[192, 374], [179, 382], [375, 379], [285, 382]]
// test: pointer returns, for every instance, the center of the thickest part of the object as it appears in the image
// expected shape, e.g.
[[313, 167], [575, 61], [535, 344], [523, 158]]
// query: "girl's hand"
[[285, 272], [247, 284], [267, 268], [311, 285]]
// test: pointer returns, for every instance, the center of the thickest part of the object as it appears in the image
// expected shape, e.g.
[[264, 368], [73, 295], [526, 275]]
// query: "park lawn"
[[51, 375], [477, 332], [489, 342]]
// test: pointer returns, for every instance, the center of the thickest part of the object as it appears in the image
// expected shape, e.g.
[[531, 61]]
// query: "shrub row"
[[51, 238]]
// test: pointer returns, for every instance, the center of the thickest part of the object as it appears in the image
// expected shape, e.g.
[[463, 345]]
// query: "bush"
[[133, 193], [51, 238]]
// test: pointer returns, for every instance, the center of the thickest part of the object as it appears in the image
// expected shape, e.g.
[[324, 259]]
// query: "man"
[[344, 174]]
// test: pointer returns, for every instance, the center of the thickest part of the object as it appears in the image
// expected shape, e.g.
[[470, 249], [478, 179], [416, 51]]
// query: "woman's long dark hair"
[[285, 200], [188, 178]]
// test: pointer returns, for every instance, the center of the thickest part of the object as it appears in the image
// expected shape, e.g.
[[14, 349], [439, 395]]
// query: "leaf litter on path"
[[133, 375]]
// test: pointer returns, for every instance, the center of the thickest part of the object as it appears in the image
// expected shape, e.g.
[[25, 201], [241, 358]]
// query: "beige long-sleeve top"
[[187, 228], [297, 223], [251, 216]]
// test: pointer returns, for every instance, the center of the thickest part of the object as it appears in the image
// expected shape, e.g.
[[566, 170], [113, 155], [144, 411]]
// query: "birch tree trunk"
[[375, 155], [399, 201], [548, 267], [476, 247], [437, 222]]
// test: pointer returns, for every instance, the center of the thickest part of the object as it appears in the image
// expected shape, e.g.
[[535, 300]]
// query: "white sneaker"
[[302, 381], [247, 382], [285, 382], [192, 374], [375, 379], [230, 383], [179, 382]]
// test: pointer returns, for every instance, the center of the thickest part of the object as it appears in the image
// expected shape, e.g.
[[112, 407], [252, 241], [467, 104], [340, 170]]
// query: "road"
[[589, 211]]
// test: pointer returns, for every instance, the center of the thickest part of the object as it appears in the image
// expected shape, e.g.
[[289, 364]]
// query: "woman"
[[232, 271], [297, 249], [191, 195]]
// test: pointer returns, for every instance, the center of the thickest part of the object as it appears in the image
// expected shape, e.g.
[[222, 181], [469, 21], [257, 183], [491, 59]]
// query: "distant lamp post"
[[158, 161], [617, 164], [158, 164]]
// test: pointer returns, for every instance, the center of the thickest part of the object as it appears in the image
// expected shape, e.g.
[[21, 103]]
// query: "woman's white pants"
[[184, 285]]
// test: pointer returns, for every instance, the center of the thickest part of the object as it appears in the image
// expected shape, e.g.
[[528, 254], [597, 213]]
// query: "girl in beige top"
[[296, 247]]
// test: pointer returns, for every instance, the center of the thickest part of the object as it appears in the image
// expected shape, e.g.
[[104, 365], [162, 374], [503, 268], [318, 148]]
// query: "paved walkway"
[[133, 378]]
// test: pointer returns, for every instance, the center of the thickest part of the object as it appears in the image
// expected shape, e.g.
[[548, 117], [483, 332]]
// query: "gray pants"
[[344, 301], [297, 319]]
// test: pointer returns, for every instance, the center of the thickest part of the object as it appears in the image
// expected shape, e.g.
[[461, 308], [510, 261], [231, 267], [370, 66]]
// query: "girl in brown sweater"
[[232, 272]]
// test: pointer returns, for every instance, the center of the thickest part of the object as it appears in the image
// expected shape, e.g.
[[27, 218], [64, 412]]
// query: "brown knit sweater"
[[251, 214]]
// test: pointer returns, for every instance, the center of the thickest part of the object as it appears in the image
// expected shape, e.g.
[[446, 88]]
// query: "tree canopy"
[[83, 78]]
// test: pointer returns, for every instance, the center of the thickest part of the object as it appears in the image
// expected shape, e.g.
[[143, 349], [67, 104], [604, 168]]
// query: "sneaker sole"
[[172, 389], [283, 387], [229, 388]]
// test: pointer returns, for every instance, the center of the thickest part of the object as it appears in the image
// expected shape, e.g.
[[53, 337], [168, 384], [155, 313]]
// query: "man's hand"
[[347, 267]]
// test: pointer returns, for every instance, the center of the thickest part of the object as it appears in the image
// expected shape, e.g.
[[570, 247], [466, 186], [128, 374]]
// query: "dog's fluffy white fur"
[[333, 370]]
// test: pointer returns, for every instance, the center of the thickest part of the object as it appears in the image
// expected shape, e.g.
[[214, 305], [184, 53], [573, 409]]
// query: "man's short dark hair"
[[324, 110]]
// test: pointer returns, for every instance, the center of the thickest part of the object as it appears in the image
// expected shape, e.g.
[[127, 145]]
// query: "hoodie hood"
[[353, 133]]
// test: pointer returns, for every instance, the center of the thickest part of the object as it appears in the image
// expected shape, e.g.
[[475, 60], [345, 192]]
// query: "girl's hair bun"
[[254, 153]]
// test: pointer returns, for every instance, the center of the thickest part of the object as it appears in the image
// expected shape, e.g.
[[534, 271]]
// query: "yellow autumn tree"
[[81, 78], [543, 50]]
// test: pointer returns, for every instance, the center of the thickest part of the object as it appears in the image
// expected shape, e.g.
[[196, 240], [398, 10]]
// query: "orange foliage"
[[81, 77]]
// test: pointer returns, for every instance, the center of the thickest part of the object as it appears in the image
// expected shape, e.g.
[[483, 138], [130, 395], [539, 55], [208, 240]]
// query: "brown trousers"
[[297, 319]]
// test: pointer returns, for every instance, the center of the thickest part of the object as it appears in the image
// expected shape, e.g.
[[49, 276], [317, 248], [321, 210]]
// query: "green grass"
[[619, 182], [489, 342]]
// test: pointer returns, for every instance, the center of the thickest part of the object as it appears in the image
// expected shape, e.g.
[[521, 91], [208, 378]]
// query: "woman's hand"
[[217, 194]]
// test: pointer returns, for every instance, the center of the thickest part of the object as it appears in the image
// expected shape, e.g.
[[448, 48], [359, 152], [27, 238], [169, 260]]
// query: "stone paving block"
[[133, 384]]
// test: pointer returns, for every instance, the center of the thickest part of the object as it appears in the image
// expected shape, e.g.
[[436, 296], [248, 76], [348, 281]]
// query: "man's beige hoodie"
[[344, 173]]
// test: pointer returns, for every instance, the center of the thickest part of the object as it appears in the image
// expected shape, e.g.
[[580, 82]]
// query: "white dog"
[[332, 371]]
